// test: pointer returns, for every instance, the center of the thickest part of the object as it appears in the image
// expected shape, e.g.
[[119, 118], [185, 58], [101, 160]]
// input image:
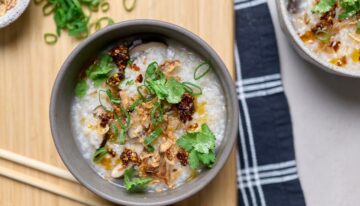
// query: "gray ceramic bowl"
[[63, 94], [299, 46]]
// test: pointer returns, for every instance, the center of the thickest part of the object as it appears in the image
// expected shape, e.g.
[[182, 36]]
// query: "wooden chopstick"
[[35, 164], [50, 187]]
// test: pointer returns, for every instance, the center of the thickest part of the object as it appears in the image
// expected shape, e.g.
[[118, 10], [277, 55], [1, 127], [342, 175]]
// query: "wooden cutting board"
[[28, 68]]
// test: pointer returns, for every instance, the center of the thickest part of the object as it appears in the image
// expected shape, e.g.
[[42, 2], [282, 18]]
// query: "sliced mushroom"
[[118, 171], [146, 46]]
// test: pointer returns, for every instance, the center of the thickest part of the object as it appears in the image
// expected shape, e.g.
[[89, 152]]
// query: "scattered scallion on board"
[[69, 16], [129, 6]]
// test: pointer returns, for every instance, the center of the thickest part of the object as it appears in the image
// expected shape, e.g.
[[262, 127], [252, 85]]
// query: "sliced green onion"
[[48, 9], [105, 6], [50, 38], [145, 99], [130, 82], [127, 115], [323, 36], [358, 27], [130, 62], [199, 76], [122, 136], [99, 154], [188, 85], [114, 129], [150, 148], [131, 7], [157, 120], [37, 2], [101, 103], [112, 98], [155, 134], [105, 18], [135, 104], [118, 120], [125, 127]]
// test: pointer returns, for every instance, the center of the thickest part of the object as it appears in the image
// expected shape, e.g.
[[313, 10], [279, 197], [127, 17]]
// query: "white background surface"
[[325, 112]]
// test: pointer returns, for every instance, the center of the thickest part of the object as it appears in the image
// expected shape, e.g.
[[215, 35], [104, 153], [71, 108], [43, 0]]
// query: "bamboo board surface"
[[28, 68]]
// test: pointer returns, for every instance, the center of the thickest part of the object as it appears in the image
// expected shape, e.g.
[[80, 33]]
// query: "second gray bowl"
[[63, 94]]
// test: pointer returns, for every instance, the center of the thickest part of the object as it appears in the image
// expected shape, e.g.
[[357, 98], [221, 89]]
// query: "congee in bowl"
[[330, 30], [148, 115], [144, 112]]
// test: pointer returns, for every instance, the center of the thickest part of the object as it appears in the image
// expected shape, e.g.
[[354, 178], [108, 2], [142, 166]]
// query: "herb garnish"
[[50, 38], [155, 134], [199, 67], [99, 154], [200, 145], [323, 36], [134, 184], [112, 98], [157, 120], [349, 7], [100, 71], [188, 87], [81, 88], [101, 102], [324, 6], [156, 82], [130, 82]]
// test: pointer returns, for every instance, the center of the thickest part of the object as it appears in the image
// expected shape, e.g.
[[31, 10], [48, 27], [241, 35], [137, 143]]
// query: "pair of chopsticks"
[[41, 184]]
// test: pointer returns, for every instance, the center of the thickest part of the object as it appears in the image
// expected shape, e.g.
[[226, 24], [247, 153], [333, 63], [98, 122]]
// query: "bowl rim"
[[228, 82], [14, 13], [300, 47]]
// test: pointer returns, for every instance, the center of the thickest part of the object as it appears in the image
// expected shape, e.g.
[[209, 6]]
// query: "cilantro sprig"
[[170, 90], [99, 71], [81, 88], [134, 184], [201, 147], [324, 6], [348, 7]]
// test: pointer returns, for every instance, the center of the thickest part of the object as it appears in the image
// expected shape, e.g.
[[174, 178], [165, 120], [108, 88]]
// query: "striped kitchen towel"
[[267, 173]]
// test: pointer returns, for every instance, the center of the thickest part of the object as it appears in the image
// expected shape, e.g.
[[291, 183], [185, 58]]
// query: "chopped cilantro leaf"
[[134, 184], [81, 88], [200, 145], [350, 7], [171, 89], [174, 91], [99, 71], [324, 6], [207, 159], [187, 141], [99, 154], [205, 140], [194, 160]]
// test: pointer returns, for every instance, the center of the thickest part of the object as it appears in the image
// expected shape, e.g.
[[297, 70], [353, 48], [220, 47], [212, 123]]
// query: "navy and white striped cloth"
[[267, 173]]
